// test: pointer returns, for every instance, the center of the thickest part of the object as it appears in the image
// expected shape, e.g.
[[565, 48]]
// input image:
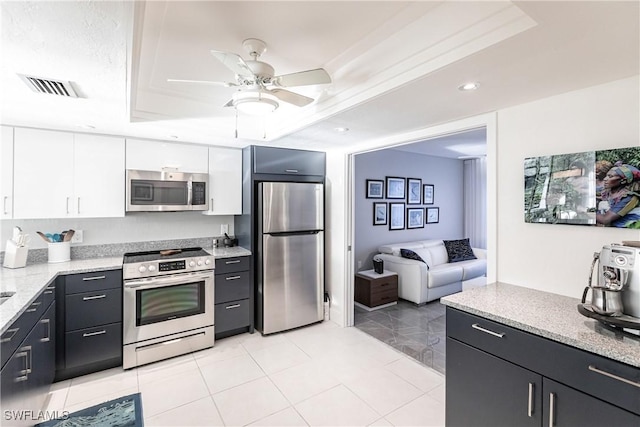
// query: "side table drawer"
[[384, 297]]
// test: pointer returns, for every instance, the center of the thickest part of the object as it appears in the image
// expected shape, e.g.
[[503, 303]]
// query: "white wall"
[[556, 258], [445, 174], [136, 227]]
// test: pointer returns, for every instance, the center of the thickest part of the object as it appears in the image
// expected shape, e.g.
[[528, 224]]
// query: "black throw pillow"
[[408, 253], [459, 250]]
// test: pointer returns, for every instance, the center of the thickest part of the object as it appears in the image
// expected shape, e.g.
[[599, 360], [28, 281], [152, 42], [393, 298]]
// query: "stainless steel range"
[[168, 304]]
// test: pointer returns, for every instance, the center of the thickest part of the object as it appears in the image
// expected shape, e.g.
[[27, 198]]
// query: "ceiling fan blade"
[[228, 104], [291, 97], [204, 82], [303, 78], [233, 62]]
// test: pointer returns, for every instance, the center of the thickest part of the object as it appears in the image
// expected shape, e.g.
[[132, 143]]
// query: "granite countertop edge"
[[561, 323], [30, 281]]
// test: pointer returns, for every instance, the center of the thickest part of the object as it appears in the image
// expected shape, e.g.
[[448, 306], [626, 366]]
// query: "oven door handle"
[[157, 282]]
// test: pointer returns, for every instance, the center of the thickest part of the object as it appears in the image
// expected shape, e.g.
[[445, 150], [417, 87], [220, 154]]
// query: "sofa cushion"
[[394, 248], [438, 254], [459, 250], [473, 268], [418, 254], [444, 274]]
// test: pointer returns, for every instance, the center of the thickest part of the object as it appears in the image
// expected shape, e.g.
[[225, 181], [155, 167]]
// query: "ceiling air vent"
[[53, 87]]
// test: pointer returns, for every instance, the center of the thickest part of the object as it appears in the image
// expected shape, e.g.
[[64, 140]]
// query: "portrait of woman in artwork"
[[620, 205]]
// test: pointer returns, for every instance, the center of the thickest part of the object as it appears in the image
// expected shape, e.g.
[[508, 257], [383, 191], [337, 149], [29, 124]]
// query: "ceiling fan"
[[259, 89]]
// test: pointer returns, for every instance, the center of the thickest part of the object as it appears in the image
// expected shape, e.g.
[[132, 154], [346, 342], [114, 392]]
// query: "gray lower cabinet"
[[501, 376], [233, 296], [28, 371], [89, 323]]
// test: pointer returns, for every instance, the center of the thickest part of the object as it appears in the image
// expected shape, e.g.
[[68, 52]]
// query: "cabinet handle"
[[48, 323], [86, 279], [13, 334], [49, 289], [552, 407], [615, 377], [233, 278], [4, 205], [211, 207], [229, 307], [291, 170], [532, 388], [487, 331], [68, 205], [31, 310], [78, 205], [232, 262], [92, 334], [94, 297], [26, 353], [24, 373]]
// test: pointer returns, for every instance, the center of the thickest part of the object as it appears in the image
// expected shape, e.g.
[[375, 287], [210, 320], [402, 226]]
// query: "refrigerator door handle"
[[294, 233]]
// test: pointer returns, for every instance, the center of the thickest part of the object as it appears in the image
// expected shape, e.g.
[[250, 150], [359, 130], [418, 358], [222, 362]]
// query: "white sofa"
[[421, 282]]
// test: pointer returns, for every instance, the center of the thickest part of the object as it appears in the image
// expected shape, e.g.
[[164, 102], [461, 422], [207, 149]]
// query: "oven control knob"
[[207, 261], [152, 268], [142, 269], [191, 263], [199, 262]]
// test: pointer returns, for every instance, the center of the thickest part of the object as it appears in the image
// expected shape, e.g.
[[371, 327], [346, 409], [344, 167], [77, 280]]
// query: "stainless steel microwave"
[[160, 191]]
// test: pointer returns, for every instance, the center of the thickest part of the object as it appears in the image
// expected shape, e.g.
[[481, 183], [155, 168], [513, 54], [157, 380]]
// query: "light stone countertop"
[[548, 315], [28, 282]]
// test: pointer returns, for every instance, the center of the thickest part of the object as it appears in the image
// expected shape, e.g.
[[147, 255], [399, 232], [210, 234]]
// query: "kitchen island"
[[518, 356]]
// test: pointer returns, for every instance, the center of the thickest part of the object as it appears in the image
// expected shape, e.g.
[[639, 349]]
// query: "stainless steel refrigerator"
[[290, 273]]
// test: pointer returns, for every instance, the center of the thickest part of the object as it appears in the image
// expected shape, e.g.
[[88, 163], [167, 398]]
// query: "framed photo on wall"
[[380, 213], [414, 185], [415, 217], [395, 187], [433, 215], [375, 189], [427, 194], [396, 216]]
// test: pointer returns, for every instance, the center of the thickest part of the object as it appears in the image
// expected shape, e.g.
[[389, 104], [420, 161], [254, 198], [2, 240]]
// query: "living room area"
[[443, 200]]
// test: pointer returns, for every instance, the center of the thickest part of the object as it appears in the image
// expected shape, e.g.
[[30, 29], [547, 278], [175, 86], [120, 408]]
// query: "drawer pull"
[[235, 261], [487, 331], [532, 388], [93, 334], [86, 279], [615, 377], [94, 297], [35, 305], [229, 307], [48, 323], [291, 170], [50, 289], [13, 334], [552, 406], [233, 278]]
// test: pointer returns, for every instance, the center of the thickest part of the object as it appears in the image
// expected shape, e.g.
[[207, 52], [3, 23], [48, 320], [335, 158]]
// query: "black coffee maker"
[[378, 265]]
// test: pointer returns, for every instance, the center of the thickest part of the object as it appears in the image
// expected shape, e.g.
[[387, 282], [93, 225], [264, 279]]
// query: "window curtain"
[[475, 202]]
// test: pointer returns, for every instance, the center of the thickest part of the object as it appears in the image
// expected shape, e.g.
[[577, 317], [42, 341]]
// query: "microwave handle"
[[157, 282]]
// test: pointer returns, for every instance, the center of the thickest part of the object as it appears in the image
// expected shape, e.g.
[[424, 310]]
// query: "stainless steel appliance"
[[290, 271], [166, 190], [615, 298], [168, 306]]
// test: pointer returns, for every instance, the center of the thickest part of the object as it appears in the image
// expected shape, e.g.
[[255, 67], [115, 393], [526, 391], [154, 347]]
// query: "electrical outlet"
[[78, 236], [359, 264], [224, 228]]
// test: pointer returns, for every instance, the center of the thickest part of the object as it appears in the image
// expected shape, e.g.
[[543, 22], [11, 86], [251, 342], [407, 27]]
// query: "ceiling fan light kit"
[[256, 103]]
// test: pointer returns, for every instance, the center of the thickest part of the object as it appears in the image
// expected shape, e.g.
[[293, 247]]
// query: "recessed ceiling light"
[[341, 129], [469, 86]]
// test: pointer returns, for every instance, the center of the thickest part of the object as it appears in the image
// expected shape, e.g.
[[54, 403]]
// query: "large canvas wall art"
[[597, 188]]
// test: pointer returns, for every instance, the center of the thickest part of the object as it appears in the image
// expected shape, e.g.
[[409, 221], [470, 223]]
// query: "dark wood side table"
[[374, 291]]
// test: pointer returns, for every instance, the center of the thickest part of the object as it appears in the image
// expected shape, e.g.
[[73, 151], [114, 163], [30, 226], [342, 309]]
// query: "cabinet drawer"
[[384, 285], [232, 286], [598, 376], [93, 345], [232, 315], [94, 281], [18, 331], [384, 297], [231, 265], [95, 308]]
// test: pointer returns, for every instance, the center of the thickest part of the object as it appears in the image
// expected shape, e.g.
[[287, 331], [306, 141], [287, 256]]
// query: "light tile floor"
[[320, 375]]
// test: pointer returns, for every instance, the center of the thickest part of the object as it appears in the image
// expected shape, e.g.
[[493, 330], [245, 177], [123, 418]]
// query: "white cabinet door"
[[6, 172], [155, 155], [43, 174], [225, 181], [99, 184]]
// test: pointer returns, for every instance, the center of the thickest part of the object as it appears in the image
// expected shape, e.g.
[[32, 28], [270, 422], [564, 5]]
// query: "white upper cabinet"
[[156, 155], [225, 181], [6, 172], [63, 175]]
